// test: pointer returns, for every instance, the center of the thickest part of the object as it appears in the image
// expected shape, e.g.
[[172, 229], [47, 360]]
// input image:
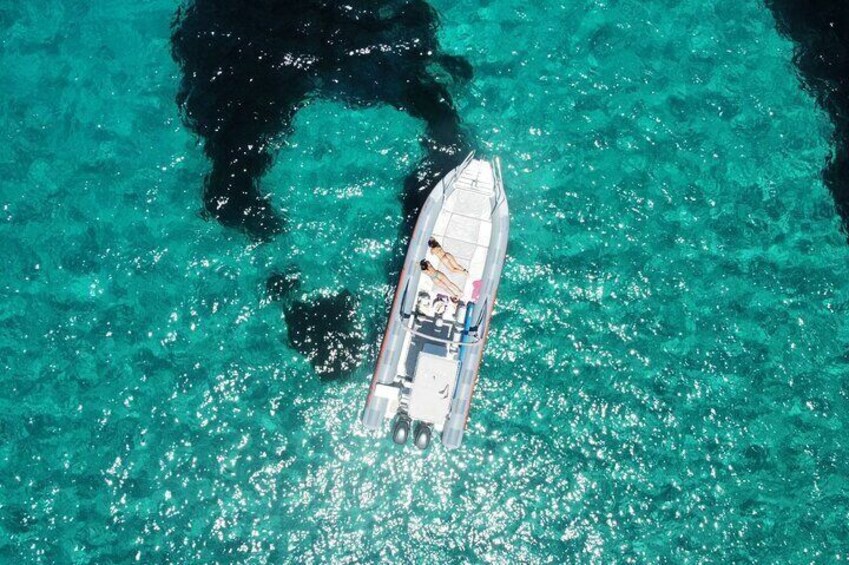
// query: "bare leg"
[[452, 263], [448, 285]]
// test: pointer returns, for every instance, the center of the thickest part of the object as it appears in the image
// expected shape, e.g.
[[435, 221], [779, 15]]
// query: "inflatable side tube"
[[455, 426]]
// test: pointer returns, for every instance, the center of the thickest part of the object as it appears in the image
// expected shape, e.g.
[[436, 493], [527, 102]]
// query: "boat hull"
[[468, 201]]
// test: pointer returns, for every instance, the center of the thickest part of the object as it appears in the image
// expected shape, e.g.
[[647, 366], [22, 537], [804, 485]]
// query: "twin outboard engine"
[[422, 436], [401, 429]]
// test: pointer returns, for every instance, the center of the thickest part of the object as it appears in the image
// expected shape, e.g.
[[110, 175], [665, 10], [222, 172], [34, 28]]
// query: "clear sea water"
[[666, 381]]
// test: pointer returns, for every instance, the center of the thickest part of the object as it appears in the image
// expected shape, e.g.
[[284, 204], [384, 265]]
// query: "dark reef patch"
[[820, 32], [248, 66], [326, 332]]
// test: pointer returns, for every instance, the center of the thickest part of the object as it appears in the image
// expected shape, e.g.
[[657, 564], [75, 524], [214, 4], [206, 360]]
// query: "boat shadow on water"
[[247, 68]]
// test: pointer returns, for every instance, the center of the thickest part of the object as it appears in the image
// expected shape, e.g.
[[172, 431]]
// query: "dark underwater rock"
[[248, 66], [820, 31], [325, 331]]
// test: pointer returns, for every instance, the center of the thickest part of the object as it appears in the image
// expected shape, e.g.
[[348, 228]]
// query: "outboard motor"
[[422, 436], [401, 429]]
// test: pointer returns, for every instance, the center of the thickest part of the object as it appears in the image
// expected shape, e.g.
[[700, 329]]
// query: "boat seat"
[[434, 349]]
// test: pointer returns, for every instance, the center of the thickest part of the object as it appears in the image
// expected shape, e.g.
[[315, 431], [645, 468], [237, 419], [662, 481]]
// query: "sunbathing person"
[[440, 279], [445, 257]]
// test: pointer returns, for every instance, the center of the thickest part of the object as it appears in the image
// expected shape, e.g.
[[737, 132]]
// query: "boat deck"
[[463, 228]]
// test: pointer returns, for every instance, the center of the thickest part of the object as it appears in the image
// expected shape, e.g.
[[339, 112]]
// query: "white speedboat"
[[431, 352]]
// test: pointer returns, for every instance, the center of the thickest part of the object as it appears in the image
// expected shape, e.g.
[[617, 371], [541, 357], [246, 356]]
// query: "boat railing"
[[411, 330], [457, 171], [481, 314], [498, 181]]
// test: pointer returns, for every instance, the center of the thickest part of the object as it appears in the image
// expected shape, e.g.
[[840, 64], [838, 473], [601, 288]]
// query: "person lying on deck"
[[440, 279], [445, 257]]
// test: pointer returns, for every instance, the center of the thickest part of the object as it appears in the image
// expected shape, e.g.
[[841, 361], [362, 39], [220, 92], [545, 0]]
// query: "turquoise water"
[[666, 377]]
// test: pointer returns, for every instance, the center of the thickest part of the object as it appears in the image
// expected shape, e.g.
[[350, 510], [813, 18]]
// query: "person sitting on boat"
[[440, 279], [445, 257]]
